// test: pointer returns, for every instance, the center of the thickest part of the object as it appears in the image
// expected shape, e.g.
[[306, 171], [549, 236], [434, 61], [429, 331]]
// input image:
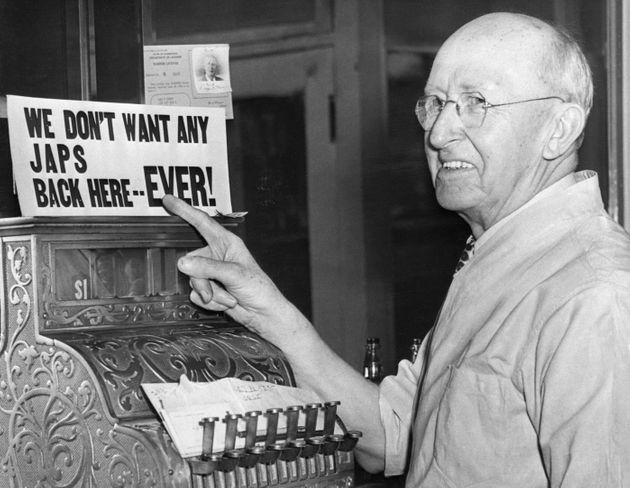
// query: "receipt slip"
[[183, 406]]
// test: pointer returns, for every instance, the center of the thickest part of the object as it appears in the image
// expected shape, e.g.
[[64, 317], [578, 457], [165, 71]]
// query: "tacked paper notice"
[[195, 75]]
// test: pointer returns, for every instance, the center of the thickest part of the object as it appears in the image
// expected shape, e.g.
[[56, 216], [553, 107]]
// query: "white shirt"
[[528, 378]]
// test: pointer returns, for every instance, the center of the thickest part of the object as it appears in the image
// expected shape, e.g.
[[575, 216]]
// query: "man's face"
[[487, 172], [211, 66]]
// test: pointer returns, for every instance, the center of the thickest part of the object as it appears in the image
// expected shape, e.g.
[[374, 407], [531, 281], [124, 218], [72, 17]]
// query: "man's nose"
[[447, 127]]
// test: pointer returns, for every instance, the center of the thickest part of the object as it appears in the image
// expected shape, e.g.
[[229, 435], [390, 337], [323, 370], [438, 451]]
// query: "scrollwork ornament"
[[50, 443], [125, 470], [17, 259], [18, 294], [58, 316], [45, 413], [49, 438]]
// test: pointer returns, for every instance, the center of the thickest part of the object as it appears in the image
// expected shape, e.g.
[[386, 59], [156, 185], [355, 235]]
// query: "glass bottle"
[[415, 347], [372, 367]]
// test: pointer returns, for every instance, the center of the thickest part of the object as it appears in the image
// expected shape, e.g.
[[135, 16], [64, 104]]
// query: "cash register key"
[[204, 472], [315, 462], [219, 479], [197, 481], [311, 410], [255, 478], [268, 462], [297, 467], [206, 481], [331, 445], [231, 429], [277, 467], [350, 440], [224, 474], [251, 427], [330, 414], [292, 413], [272, 425], [235, 476], [208, 436]]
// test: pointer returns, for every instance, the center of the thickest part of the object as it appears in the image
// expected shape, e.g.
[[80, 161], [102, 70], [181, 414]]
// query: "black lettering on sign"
[[190, 183], [84, 125], [109, 192], [79, 165], [146, 127], [199, 184], [63, 154], [53, 159], [166, 177], [36, 165], [87, 125], [38, 120], [192, 129], [110, 116], [57, 193], [149, 172]]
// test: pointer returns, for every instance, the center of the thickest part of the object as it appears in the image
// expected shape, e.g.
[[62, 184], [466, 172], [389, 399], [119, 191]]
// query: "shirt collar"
[[555, 189]]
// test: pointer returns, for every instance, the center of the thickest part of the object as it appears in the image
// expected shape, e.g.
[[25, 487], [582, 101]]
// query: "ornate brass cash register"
[[94, 307]]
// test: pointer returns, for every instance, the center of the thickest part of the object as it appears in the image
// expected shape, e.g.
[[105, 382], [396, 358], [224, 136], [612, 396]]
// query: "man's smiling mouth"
[[456, 165]]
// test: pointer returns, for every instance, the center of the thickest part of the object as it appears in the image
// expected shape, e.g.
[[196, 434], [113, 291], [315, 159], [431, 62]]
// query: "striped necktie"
[[468, 252]]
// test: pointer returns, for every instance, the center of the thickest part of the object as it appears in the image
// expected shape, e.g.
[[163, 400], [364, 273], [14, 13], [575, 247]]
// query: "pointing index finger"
[[199, 219]]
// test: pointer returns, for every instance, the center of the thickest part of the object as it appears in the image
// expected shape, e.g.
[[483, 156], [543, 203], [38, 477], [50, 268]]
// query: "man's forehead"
[[469, 63], [467, 74]]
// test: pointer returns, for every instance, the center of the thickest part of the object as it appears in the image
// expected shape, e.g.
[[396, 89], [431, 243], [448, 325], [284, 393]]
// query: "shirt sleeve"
[[581, 390], [396, 402]]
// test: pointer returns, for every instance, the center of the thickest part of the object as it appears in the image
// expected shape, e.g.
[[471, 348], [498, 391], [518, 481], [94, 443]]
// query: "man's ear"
[[568, 125]]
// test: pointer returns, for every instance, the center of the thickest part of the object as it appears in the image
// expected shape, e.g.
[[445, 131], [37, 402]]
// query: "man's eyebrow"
[[430, 90], [470, 87], [462, 88]]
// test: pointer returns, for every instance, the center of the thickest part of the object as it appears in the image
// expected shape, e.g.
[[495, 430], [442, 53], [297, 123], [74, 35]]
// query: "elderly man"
[[525, 378], [210, 66]]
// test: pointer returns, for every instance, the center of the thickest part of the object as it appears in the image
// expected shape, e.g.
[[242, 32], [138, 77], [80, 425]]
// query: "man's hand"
[[225, 277]]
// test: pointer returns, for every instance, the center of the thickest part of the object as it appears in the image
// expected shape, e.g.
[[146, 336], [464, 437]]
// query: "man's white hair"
[[566, 69]]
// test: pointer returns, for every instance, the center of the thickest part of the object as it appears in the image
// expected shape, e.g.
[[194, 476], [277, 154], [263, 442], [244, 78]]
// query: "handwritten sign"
[[96, 158]]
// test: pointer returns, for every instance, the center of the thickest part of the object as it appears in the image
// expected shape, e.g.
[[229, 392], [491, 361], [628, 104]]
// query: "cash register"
[[94, 307]]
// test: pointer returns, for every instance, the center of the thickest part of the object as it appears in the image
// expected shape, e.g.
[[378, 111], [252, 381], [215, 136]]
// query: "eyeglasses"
[[471, 108]]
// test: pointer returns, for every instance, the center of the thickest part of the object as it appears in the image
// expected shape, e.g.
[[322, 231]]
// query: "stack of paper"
[[183, 405]]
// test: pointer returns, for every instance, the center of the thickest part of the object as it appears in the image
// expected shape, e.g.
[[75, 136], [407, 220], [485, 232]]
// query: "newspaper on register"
[[183, 405]]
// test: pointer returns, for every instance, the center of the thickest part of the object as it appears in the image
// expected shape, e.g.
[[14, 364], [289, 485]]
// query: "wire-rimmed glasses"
[[471, 108]]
